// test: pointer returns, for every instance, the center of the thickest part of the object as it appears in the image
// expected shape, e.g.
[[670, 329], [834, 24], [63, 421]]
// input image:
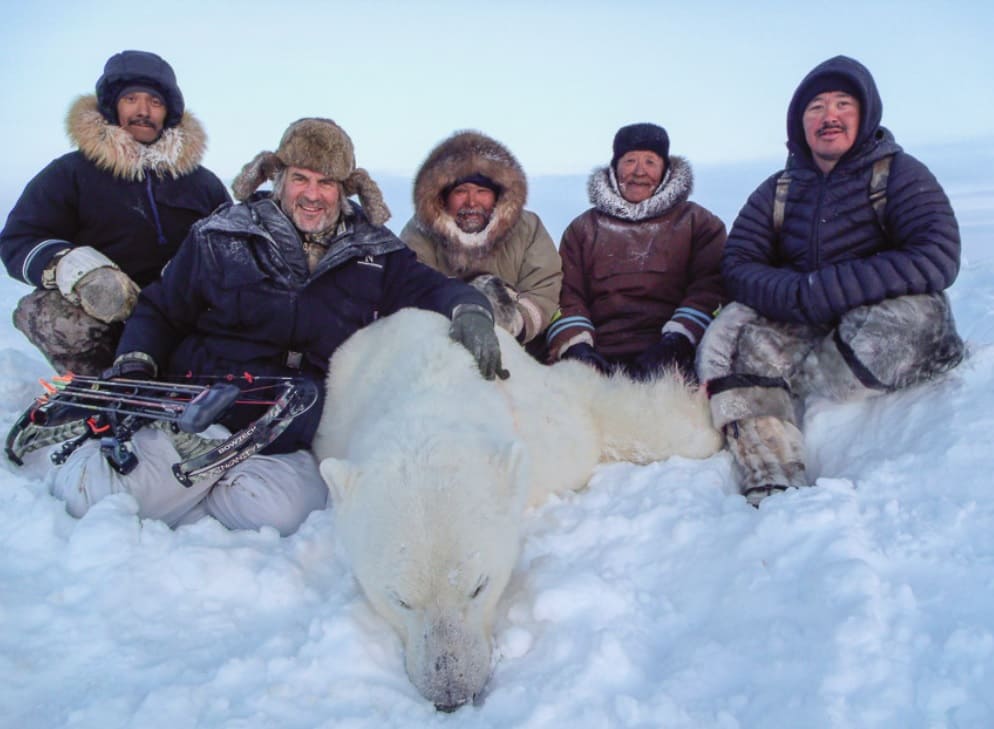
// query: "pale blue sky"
[[551, 80]]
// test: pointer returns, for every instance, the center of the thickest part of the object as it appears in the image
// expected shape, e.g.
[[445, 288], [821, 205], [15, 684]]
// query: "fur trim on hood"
[[177, 152], [321, 145], [463, 154], [677, 184]]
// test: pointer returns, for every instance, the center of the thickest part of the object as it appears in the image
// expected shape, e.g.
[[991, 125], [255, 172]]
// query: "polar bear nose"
[[449, 708], [453, 694]]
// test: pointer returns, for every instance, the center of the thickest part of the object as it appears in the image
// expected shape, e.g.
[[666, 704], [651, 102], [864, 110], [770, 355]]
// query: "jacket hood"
[[605, 196], [464, 154], [177, 152], [130, 68], [870, 105]]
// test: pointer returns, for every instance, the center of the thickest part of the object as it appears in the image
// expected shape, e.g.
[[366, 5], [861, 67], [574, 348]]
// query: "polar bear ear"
[[339, 476]]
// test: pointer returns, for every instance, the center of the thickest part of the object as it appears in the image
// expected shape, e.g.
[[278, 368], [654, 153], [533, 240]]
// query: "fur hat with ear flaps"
[[322, 146]]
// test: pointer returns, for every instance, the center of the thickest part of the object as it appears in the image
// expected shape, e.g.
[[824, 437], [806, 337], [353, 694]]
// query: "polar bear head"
[[433, 534]]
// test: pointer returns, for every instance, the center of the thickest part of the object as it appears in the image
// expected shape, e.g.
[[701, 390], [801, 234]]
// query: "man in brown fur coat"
[[100, 222], [470, 223]]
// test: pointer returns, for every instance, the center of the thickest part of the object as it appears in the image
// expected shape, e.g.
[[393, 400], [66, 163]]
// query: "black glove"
[[585, 353], [131, 366], [473, 328], [672, 351]]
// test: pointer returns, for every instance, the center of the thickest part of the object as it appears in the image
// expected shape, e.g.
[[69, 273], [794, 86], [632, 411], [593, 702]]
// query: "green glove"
[[473, 327]]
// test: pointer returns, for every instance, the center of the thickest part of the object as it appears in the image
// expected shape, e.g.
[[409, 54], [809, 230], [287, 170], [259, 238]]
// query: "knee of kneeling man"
[[249, 503], [74, 494], [81, 481], [288, 519]]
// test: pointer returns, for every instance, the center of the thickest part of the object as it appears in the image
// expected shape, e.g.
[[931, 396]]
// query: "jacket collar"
[[605, 196], [176, 153], [262, 217]]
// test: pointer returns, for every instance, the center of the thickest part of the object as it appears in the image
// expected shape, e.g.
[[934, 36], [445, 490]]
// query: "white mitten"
[[87, 277]]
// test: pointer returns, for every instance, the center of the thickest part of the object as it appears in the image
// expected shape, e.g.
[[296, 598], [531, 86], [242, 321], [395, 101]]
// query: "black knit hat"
[[645, 136], [129, 69], [476, 178], [828, 82]]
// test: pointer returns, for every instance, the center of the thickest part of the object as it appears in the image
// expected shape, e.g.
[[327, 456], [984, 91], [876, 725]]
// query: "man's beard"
[[472, 220]]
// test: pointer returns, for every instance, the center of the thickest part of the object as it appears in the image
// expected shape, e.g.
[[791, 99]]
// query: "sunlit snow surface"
[[654, 598]]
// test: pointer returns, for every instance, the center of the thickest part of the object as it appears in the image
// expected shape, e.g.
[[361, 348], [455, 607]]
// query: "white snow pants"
[[277, 491]]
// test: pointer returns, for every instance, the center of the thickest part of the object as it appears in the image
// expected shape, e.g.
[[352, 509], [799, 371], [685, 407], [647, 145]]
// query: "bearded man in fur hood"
[[837, 266], [641, 269], [470, 223], [100, 222]]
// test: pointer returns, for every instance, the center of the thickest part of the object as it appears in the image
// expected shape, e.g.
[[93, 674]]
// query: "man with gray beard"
[[269, 288]]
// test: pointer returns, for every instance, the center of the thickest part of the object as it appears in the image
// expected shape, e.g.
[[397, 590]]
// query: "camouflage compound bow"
[[75, 408]]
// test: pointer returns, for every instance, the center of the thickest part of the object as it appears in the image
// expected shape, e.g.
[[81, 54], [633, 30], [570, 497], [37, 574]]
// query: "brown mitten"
[[107, 294]]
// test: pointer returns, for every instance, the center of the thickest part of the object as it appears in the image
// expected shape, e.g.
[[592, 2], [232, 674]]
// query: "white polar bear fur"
[[431, 467]]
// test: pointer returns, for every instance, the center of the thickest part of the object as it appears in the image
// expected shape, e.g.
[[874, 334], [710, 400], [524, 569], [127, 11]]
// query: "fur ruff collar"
[[466, 153], [605, 196], [176, 153]]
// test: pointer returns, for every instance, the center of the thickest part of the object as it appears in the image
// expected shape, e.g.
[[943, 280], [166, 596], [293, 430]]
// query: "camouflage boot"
[[769, 453], [71, 339]]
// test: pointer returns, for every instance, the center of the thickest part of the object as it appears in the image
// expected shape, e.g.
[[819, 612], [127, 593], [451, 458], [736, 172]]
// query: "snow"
[[656, 597]]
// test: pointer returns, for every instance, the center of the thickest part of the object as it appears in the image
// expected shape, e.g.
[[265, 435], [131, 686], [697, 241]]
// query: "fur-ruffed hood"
[[461, 155], [605, 196], [176, 153]]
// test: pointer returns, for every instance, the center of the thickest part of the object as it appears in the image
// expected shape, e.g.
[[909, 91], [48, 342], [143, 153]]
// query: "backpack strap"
[[878, 193], [878, 188], [780, 201]]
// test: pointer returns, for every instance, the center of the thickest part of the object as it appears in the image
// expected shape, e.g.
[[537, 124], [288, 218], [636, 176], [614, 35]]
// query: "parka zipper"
[[159, 234], [814, 244]]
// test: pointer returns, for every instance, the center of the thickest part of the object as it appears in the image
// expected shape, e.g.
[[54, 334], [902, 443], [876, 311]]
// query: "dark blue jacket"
[[831, 255], [138, 224], [238, 298]]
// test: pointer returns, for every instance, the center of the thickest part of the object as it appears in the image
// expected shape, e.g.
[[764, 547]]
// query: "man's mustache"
[[831, 127], [141, 121]]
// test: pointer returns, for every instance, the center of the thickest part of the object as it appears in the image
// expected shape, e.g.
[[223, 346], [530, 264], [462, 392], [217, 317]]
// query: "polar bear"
[[431, 467]]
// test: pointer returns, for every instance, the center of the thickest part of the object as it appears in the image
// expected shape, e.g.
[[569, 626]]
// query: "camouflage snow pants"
[[759, 372], [71, 339]]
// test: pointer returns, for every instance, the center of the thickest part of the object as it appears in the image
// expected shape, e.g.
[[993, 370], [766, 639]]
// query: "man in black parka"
[[837, 267], [100, 222]]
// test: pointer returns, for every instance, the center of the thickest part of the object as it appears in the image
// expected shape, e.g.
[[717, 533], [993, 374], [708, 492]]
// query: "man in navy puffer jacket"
[[834, 296]]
